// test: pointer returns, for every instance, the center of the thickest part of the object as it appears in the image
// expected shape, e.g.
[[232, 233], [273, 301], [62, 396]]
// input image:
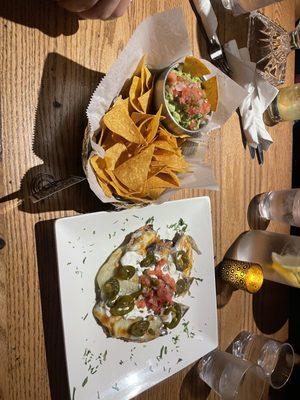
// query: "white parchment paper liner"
[[164, 39]]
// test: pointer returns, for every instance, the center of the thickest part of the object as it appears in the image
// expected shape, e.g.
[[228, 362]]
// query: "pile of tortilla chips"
[[142, 159]]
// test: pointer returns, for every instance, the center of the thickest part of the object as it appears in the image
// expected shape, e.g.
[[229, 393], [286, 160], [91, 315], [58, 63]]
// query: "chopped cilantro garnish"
[[85, 381], [116, 387], [149, 221], [104, 355], [179, 360], [161, 352], [179, 226], [175, 339]]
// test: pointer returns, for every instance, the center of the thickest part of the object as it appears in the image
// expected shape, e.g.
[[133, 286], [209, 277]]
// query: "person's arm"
[[96, 9]]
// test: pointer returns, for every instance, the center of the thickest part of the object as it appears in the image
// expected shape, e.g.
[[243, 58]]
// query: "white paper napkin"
[[260, 95]]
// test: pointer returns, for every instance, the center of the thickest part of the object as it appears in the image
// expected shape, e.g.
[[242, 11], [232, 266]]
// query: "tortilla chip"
[[133, 173], [160, 181], [122, 103], [153, 126], [145, 100], [146, 78], [163, 134], [195, 67], [139, 67], [113, 154], [165, 145], [211, 89], [154, 193], [172, 161], [119, 122], [98, 164], [135, 92]]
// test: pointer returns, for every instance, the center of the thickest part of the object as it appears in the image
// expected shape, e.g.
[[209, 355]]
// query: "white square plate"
[[111, 369]]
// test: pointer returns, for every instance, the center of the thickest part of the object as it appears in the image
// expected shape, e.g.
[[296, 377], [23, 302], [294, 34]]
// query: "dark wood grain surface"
[[50, 64]]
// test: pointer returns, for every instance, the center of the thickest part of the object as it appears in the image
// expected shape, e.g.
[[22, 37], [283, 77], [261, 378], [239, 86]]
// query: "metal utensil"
[[207, 19]]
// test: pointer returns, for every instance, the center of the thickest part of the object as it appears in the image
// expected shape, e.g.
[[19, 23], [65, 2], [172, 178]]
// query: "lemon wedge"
[[288, 267]]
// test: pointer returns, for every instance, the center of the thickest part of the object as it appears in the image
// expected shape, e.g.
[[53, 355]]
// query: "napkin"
[[260, 95]]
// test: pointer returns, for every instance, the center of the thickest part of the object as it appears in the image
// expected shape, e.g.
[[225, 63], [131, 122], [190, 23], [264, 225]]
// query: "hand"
[[96, 9]]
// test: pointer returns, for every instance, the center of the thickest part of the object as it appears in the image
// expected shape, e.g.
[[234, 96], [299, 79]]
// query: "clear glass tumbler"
[[230, 377], [243, 6], [276, 358], [281, 205], [285, 106]]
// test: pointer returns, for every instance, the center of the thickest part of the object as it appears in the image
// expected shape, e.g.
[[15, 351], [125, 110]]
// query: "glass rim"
[[261, 375], [281, 348]]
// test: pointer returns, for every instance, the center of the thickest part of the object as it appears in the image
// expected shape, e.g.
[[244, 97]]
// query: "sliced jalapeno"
[[176, 316], [125, 272], [136, 294], [181, 286], [148, 260], [111, 288], [181, 260], [123, 305], [139, 328]]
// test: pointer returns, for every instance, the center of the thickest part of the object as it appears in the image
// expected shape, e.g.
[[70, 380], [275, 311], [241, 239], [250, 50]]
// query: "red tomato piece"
[[141, 304], [172, 77], [170, 281]]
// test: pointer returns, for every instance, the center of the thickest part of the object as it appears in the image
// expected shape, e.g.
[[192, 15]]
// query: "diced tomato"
[[193, 110], [205, 108], [169, 281], [172, 77], [164, 294], [192, 124], [145, 280], [161, 263], [141, 303], [180, 86]]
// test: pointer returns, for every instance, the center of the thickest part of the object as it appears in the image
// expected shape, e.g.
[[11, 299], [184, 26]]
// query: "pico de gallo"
[[186, 99]]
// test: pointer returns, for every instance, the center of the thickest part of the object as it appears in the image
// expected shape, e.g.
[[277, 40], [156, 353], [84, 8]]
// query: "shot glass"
[[230, 377], [276, 358]]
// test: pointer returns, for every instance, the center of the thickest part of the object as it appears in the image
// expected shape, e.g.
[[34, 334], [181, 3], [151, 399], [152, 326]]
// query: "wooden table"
[[50, 64]]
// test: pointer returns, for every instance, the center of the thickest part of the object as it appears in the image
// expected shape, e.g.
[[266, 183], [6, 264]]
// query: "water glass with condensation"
[[276, 358], [232, 378], [280, 205]]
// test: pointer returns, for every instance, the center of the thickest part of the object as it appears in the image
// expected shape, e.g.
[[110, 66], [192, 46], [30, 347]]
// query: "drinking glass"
[[281, 205], [285, 106], [243, 6], [276, 358], [269, 45], [230, 377]]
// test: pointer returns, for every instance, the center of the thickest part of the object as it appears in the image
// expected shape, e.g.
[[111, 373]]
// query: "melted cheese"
[[133, 258], [139, 312]]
